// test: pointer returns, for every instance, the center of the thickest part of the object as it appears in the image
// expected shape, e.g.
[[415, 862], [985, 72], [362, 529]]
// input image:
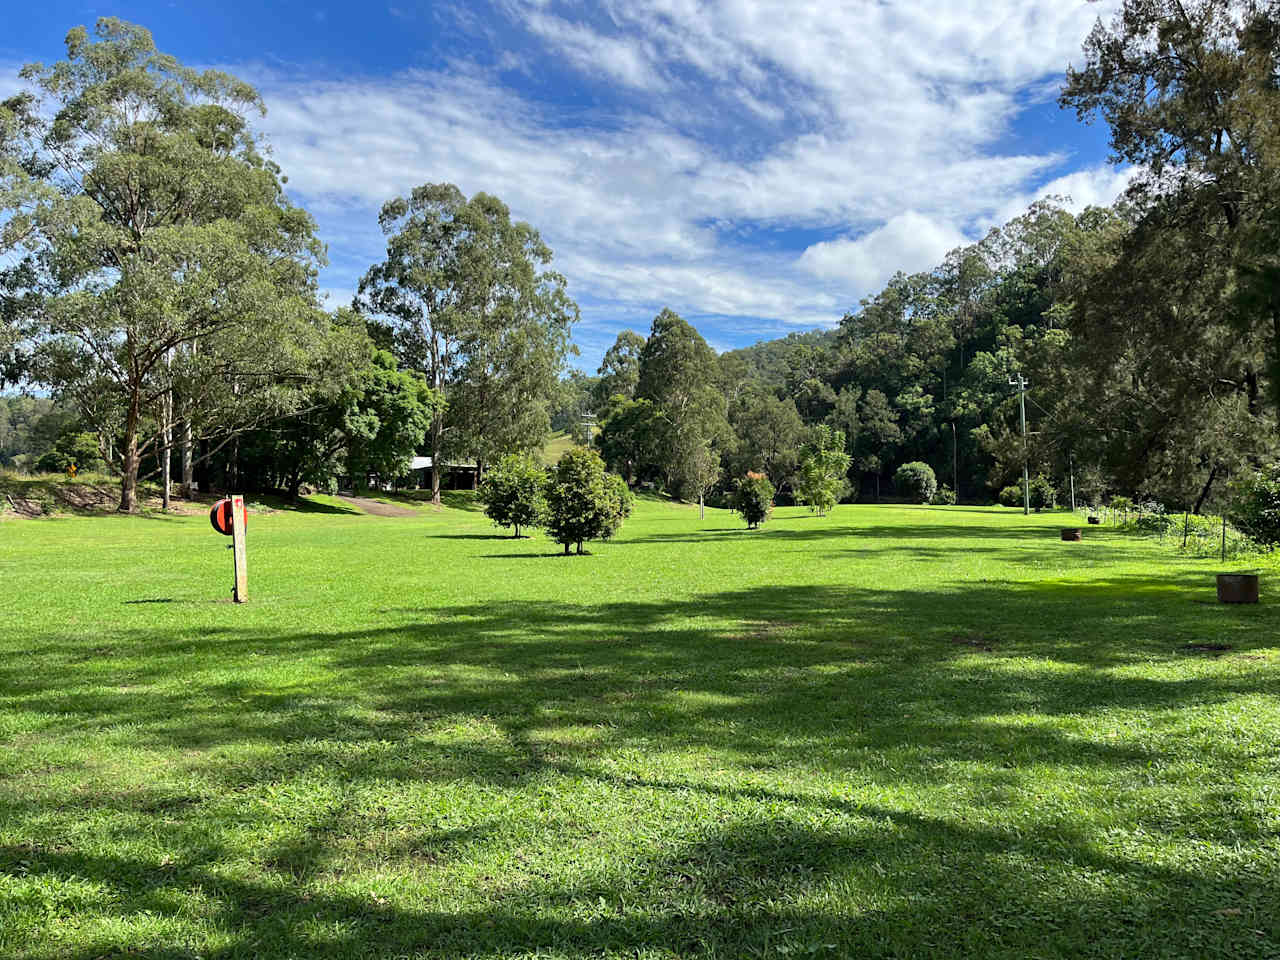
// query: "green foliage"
[[1255, 505], [73, 449], [627, 435], [365, 415], [769, 434], [574, 400], [823, 471], [474, 309], [386, 417], [1156, 523], [619, 371], [583, 502], [679, 375], [915, 482], [1044, 495], [514, 492], [169, 262], [945, 496], [29, 427], [1011, 496], [753, 499]]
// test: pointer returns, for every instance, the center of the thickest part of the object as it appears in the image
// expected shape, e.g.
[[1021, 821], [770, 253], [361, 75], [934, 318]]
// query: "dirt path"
[[377, 509]]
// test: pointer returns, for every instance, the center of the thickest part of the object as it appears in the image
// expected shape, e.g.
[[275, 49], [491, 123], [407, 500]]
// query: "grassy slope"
[[555, 448], [894, 731]]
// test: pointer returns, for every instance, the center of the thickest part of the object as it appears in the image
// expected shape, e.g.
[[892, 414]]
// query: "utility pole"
[[1071, 466], [1026, 477], [955, 463]]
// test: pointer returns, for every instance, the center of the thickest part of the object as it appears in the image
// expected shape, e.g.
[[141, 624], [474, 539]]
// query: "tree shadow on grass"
[[800, 698], [310, 505], [773, 875]]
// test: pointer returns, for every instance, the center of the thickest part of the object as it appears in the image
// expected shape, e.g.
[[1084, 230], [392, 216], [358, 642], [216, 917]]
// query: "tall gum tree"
[[679, 374], [1189, 89], [137, 188], [471, 307]]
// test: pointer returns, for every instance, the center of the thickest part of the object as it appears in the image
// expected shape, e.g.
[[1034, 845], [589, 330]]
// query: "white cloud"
[[909, 242], [880, 123], [1097, 186], [9, 80], [619, 58]]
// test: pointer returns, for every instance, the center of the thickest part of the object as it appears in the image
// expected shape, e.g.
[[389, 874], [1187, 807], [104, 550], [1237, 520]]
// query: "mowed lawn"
[[899, 732]]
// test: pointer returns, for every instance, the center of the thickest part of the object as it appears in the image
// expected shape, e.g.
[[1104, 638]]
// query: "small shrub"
[[945, 497], [753, 499], [1043, 493], [1255, 505], [1158, 523], [1011, 496], [514, 492], [916, 482], [583, 502]]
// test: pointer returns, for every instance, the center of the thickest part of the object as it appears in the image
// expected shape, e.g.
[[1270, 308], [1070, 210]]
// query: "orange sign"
[[220, 517]]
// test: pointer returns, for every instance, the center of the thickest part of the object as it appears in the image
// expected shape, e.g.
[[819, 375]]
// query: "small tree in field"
[[583, 502], [753, 499], [1043, 494], [823, 471], [916, 481], [514, 492]]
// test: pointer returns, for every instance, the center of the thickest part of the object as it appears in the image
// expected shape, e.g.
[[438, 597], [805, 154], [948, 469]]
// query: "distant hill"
[[767, 360]]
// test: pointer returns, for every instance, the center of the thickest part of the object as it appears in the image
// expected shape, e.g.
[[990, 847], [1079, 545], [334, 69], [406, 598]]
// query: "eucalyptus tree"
[[768, 435], [474, 309], [619, 369], [137, 190], [679, 376]]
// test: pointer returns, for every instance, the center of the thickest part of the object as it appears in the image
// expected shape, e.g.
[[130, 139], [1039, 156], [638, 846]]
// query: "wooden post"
[[241, 591]]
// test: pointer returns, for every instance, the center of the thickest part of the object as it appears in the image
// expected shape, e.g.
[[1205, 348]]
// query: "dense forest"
[[1147, 332]]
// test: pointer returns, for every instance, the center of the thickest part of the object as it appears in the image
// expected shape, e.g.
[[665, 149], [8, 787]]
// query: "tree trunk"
[[1275, 360], [166, 465], [166, 478], [129, 473], [189, 485], [566, 549], [188, 466], [1204, 494], [436, 429]]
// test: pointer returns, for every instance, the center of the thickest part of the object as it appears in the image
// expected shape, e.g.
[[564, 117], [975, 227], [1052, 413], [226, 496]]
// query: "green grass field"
[[898, 732]]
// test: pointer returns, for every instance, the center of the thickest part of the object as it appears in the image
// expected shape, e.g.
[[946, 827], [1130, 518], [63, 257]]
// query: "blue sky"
[[757, 165]]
